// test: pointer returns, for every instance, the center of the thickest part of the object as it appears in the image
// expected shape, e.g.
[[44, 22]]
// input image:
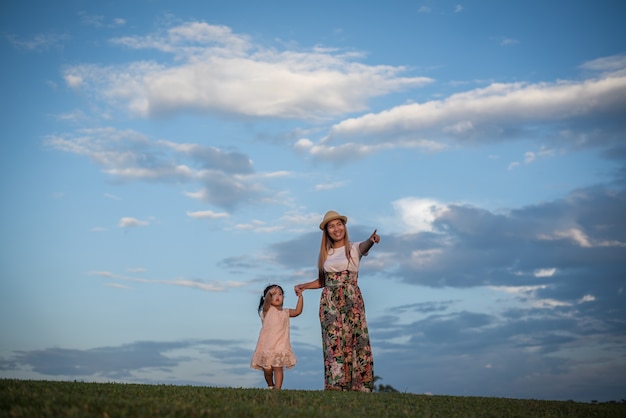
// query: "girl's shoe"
[[270, 387]]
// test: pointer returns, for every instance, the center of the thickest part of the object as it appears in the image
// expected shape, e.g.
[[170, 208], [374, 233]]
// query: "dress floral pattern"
[[273, 347], [348, 361]]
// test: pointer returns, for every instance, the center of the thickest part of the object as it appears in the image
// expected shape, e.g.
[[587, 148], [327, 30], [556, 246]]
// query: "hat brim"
[[332, 218]]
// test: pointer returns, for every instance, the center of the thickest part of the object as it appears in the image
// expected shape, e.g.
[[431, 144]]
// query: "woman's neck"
[[339, 244]]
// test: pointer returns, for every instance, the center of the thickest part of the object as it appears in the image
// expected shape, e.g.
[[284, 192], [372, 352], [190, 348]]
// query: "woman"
[[348, 362]]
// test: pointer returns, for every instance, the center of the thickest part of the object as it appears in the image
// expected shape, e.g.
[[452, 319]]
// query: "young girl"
[[273, 349]]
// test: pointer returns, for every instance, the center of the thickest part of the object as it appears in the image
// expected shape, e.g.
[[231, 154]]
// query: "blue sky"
[[164, 161]]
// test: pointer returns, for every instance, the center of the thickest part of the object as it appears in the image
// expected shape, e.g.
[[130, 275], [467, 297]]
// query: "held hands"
[[299, 288]]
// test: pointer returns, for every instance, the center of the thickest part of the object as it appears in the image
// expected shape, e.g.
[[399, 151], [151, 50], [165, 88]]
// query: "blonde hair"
[[325, 246]]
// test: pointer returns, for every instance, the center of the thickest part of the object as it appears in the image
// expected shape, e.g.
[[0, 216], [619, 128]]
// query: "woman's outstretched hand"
[[375, 238]]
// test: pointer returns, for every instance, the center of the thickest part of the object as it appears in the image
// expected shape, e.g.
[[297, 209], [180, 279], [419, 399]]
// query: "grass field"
[[26, 398]]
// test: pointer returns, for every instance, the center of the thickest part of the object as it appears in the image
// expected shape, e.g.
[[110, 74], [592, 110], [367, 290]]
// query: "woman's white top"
[[337, 260]]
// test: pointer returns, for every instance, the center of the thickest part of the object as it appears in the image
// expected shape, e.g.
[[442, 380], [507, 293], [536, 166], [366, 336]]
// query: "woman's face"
[[336, 230]]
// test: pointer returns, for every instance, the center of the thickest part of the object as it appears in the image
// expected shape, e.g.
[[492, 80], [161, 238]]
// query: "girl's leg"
[[278, 375], [269, 377]]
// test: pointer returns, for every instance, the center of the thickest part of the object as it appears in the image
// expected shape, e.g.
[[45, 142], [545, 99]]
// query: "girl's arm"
[[299, 306], [365, 246], [267, 300]]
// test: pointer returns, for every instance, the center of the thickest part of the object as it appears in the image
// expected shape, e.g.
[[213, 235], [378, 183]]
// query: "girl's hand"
[[299, 288]]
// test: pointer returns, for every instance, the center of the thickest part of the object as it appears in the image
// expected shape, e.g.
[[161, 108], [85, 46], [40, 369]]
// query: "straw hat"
[[331, 215]]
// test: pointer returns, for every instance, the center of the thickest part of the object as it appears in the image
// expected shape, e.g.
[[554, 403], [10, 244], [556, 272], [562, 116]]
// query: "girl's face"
[[336, 230], [277, 297]]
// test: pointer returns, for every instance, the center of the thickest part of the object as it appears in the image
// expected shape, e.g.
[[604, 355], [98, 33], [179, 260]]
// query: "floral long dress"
[[348, 361]]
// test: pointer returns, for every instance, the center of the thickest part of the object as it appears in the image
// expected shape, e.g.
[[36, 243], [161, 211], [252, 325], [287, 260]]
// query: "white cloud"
[[128, 222], [549, 303], [418, 214], [509, 42], [528, 295], [293, 220], [211, 286], [544, 151], [226, 178], [191, 39], [259, 227], [75, 116], [519, 290], [610, 64], [117, 285], [73, 80], [151, 173], [353, 150], [40, 42], [580, 238], [459, 127], [529, 157], [215, 70], [542, 101], [545, 272], [101, 273], [513, 165], [587, 298], [495, 112], [98, 21], [207, 214], [421, 258], [200, 194], [331, 185]]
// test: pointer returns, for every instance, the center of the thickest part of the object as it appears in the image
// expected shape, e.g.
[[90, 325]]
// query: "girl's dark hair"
[[267, 289]]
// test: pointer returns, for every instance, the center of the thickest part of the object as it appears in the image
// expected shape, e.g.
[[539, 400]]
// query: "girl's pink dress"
[[273, 348]]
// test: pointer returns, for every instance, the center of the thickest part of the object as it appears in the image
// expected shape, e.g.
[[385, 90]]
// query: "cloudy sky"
[[163, 161]]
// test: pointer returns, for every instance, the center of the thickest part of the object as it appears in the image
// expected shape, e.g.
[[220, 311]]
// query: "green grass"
[[27, 398]]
